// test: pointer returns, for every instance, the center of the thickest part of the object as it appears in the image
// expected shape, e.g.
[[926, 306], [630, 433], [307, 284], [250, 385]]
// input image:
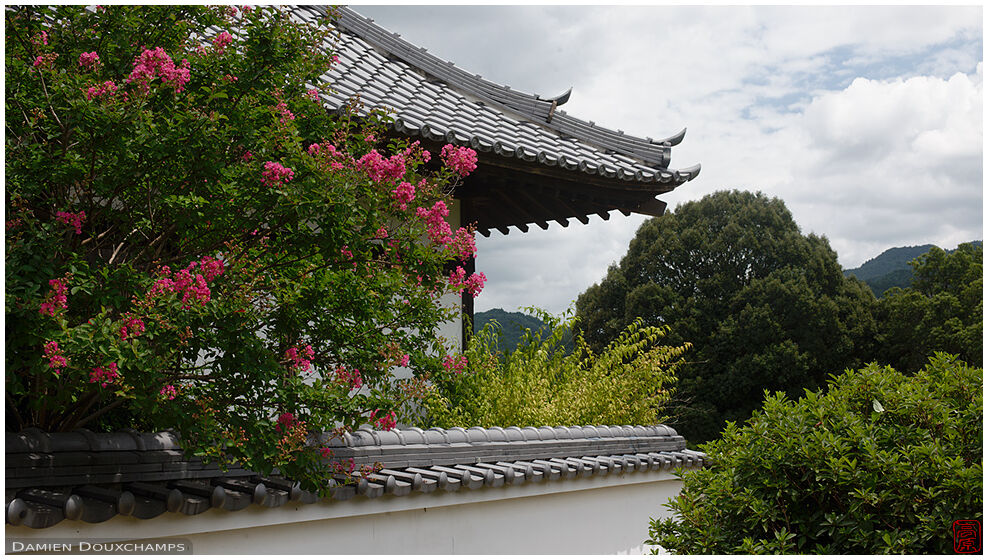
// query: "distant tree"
[[764, 306], [880, 463], [941, 311]]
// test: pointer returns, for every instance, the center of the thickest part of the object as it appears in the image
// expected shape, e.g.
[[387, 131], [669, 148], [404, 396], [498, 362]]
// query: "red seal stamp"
[[967, 536]]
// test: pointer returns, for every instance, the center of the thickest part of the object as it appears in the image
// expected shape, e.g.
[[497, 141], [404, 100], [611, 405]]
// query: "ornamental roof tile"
[[94, 477]]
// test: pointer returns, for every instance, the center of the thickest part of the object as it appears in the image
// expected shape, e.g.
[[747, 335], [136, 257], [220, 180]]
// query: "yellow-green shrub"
[[542, 384]]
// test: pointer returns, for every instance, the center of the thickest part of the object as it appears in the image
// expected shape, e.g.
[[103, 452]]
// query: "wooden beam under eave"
[[506, 200], [569, 210], [543, 210]]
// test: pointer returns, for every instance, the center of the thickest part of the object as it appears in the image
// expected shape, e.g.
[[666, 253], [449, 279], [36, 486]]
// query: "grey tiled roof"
[[94, 477], [433, 99]]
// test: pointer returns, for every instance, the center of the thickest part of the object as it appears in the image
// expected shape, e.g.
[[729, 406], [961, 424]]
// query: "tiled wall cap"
[[68, 442], [458, 435], [562, 432], [531, 434], [362, 438], [436, 435], [496, 434], [547, 433], [413, 436], [478, 435], [390, 437], [514, 433]]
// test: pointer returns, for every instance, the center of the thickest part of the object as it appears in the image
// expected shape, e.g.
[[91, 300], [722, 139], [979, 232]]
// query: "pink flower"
[[312, 94], [436, 227], [169, 392], [455, 365], [385, 422], [458, 282], [221, 41], [89, 60], [351, 379], [247, 156], [300, 357], [381, 169], [463, 244], [45, 60], [107, 88], [286, 115], [230, 78], [275, 174], [404, 361], [73, 219], [156, 63], [403, 194], [56, 360], [460, 159], [133, 327], [211, 267], [104, 376], [56, 299], [286, 421]]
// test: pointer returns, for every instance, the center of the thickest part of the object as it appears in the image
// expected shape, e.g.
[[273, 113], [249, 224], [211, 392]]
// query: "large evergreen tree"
[[764, 306]]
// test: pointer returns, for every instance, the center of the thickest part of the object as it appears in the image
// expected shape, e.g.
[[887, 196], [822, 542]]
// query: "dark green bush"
[[881, 462]]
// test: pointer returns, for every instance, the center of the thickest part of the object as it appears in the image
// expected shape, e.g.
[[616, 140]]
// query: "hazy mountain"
[[513, 325]]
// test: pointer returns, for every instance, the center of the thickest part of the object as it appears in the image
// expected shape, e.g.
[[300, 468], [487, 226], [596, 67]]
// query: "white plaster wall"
[[595, 515]]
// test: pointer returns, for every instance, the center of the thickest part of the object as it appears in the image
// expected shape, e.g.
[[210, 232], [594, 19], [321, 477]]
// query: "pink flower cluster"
[[455, 365], [458, 281], [384, 422], [104, 376], [404, 360], [192, 288], [348, 378], [436, 226], [55, 358], [45, 60], [169, 392], [221, 41], [57, 298], [312, 94], [403, 194], [156, 63], [106, 88], [286, 421], [286, 115], [89, 60], [133, 327], [463, 244], [381, 169], [72, 219], [275, 174], [460, 159], [300, 357]]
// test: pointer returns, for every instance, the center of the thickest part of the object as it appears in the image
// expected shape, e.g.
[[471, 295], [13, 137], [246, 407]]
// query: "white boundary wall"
[[586, 515]]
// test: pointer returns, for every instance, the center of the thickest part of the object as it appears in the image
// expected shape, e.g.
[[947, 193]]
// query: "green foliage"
[[765, 306], [879, 463], [511, 328], [941, 311], [541, 383], [163, 267]]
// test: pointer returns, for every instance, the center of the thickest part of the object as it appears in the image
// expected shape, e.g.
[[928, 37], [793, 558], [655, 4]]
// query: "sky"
[[866, 121]]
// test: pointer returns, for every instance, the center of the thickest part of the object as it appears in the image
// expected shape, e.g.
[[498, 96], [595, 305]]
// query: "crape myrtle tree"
[[764, 306], [194, 242], [941, 311]]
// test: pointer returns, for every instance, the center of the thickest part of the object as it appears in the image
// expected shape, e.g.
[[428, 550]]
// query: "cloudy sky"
[[866, 121]]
